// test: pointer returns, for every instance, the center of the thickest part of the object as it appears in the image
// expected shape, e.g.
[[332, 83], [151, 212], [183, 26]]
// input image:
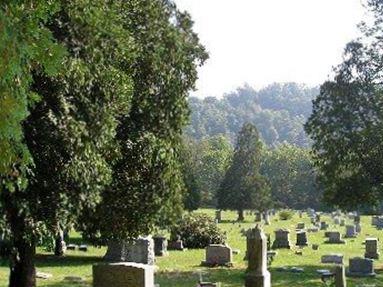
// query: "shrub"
[[198, 231], [285, 214]]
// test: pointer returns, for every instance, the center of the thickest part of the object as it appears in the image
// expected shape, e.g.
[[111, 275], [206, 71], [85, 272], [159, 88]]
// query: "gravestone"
[[282, 239], [342, 222], [160, 246], [176, 244], [218, 255], [334, 237], [301, 238], [257, 274], [358, 227], [258, 217], [379, 223], [374, 220], [116, 251], [332, 258], [357, 219], [218, 216], [340, 276], [140, 250], [350, 231], [266, 217], [361, 267], [371, 248], [300, 212], [323, 225], [123, 275], [300, 225], [60, 245], [336, 220]]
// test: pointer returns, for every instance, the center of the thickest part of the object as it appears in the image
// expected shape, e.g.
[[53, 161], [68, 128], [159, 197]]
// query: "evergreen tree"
[[347, 122], [243, 187]]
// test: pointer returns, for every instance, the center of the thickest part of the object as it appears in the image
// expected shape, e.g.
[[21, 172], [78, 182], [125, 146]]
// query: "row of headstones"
[[142, 275], [258, 216]]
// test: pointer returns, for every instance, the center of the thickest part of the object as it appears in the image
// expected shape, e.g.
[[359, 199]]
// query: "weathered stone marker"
[[257, 274], [350, 231], [160, 246], [282, 239], [332, 258], [218, 255], [361, 267], [372, 248], [340, 276], [334, 237], [301, 238], [123, 275], [218, 216]]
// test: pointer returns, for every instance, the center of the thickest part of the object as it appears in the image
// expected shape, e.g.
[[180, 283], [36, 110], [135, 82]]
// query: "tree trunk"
[[60, 246], [240, 215], [23, 272]]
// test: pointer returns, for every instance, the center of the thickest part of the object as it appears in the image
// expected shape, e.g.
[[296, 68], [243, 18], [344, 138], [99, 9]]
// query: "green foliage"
[[147, 187], [347, 123], [243, 187], [286, 214], [292, 177], [279, 112], [198, 231]]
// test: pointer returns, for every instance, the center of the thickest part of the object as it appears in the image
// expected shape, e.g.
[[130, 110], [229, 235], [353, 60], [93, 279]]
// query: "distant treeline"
[[279, 112]]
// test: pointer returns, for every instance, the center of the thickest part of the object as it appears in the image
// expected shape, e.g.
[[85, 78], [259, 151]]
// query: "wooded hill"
[[279, 111]]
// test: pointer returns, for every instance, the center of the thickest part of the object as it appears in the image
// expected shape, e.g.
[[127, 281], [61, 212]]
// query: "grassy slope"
[[181, 269]]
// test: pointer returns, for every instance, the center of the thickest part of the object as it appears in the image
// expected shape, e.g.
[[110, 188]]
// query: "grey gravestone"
[[218, 216], [83, 247], [374, 220], [350, 231], [336, 220], [176, 245], [140, 250], [257, 274], [342, 222], [282, 239], [301, 225], [340, 276], [71, 247], [335, 238], [301, 238], [160, 246], [258, 217], [123, 275], [323, 225], [266, 217], [332, 258], [218, 255], [358, 227], [361, 267], [372, 248]]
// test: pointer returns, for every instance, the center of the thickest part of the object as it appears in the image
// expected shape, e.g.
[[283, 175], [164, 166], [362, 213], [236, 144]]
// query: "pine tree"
[[243, 187]]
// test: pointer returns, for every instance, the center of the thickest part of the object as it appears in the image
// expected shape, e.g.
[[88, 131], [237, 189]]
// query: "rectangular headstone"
[[123, 275]]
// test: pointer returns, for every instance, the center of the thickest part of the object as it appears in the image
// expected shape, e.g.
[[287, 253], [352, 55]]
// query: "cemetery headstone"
[[301, 238], [358, 227], [301, 225], [218, 255], [361, 267], [282, 239], [323, 225], [332, 258], [335, 238], [123, 275], [350, 231], [160, 246], [258, 217], [340, 276], [176, 244], [218, 216], [257, 274], [371, 248]]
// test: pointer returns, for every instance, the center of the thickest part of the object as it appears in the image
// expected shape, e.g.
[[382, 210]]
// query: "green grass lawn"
[[181, 269]]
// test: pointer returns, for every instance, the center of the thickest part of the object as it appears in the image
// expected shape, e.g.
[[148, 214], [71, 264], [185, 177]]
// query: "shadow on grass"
[[234, 277], [67, 261]]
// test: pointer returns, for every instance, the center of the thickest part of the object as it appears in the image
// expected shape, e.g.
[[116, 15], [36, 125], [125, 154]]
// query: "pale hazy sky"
[[265, 41]]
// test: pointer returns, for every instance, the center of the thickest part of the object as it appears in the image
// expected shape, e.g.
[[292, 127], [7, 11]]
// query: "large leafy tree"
[[347, 122], [147, 185], [243, 187], [64, 133], [292, 177]]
